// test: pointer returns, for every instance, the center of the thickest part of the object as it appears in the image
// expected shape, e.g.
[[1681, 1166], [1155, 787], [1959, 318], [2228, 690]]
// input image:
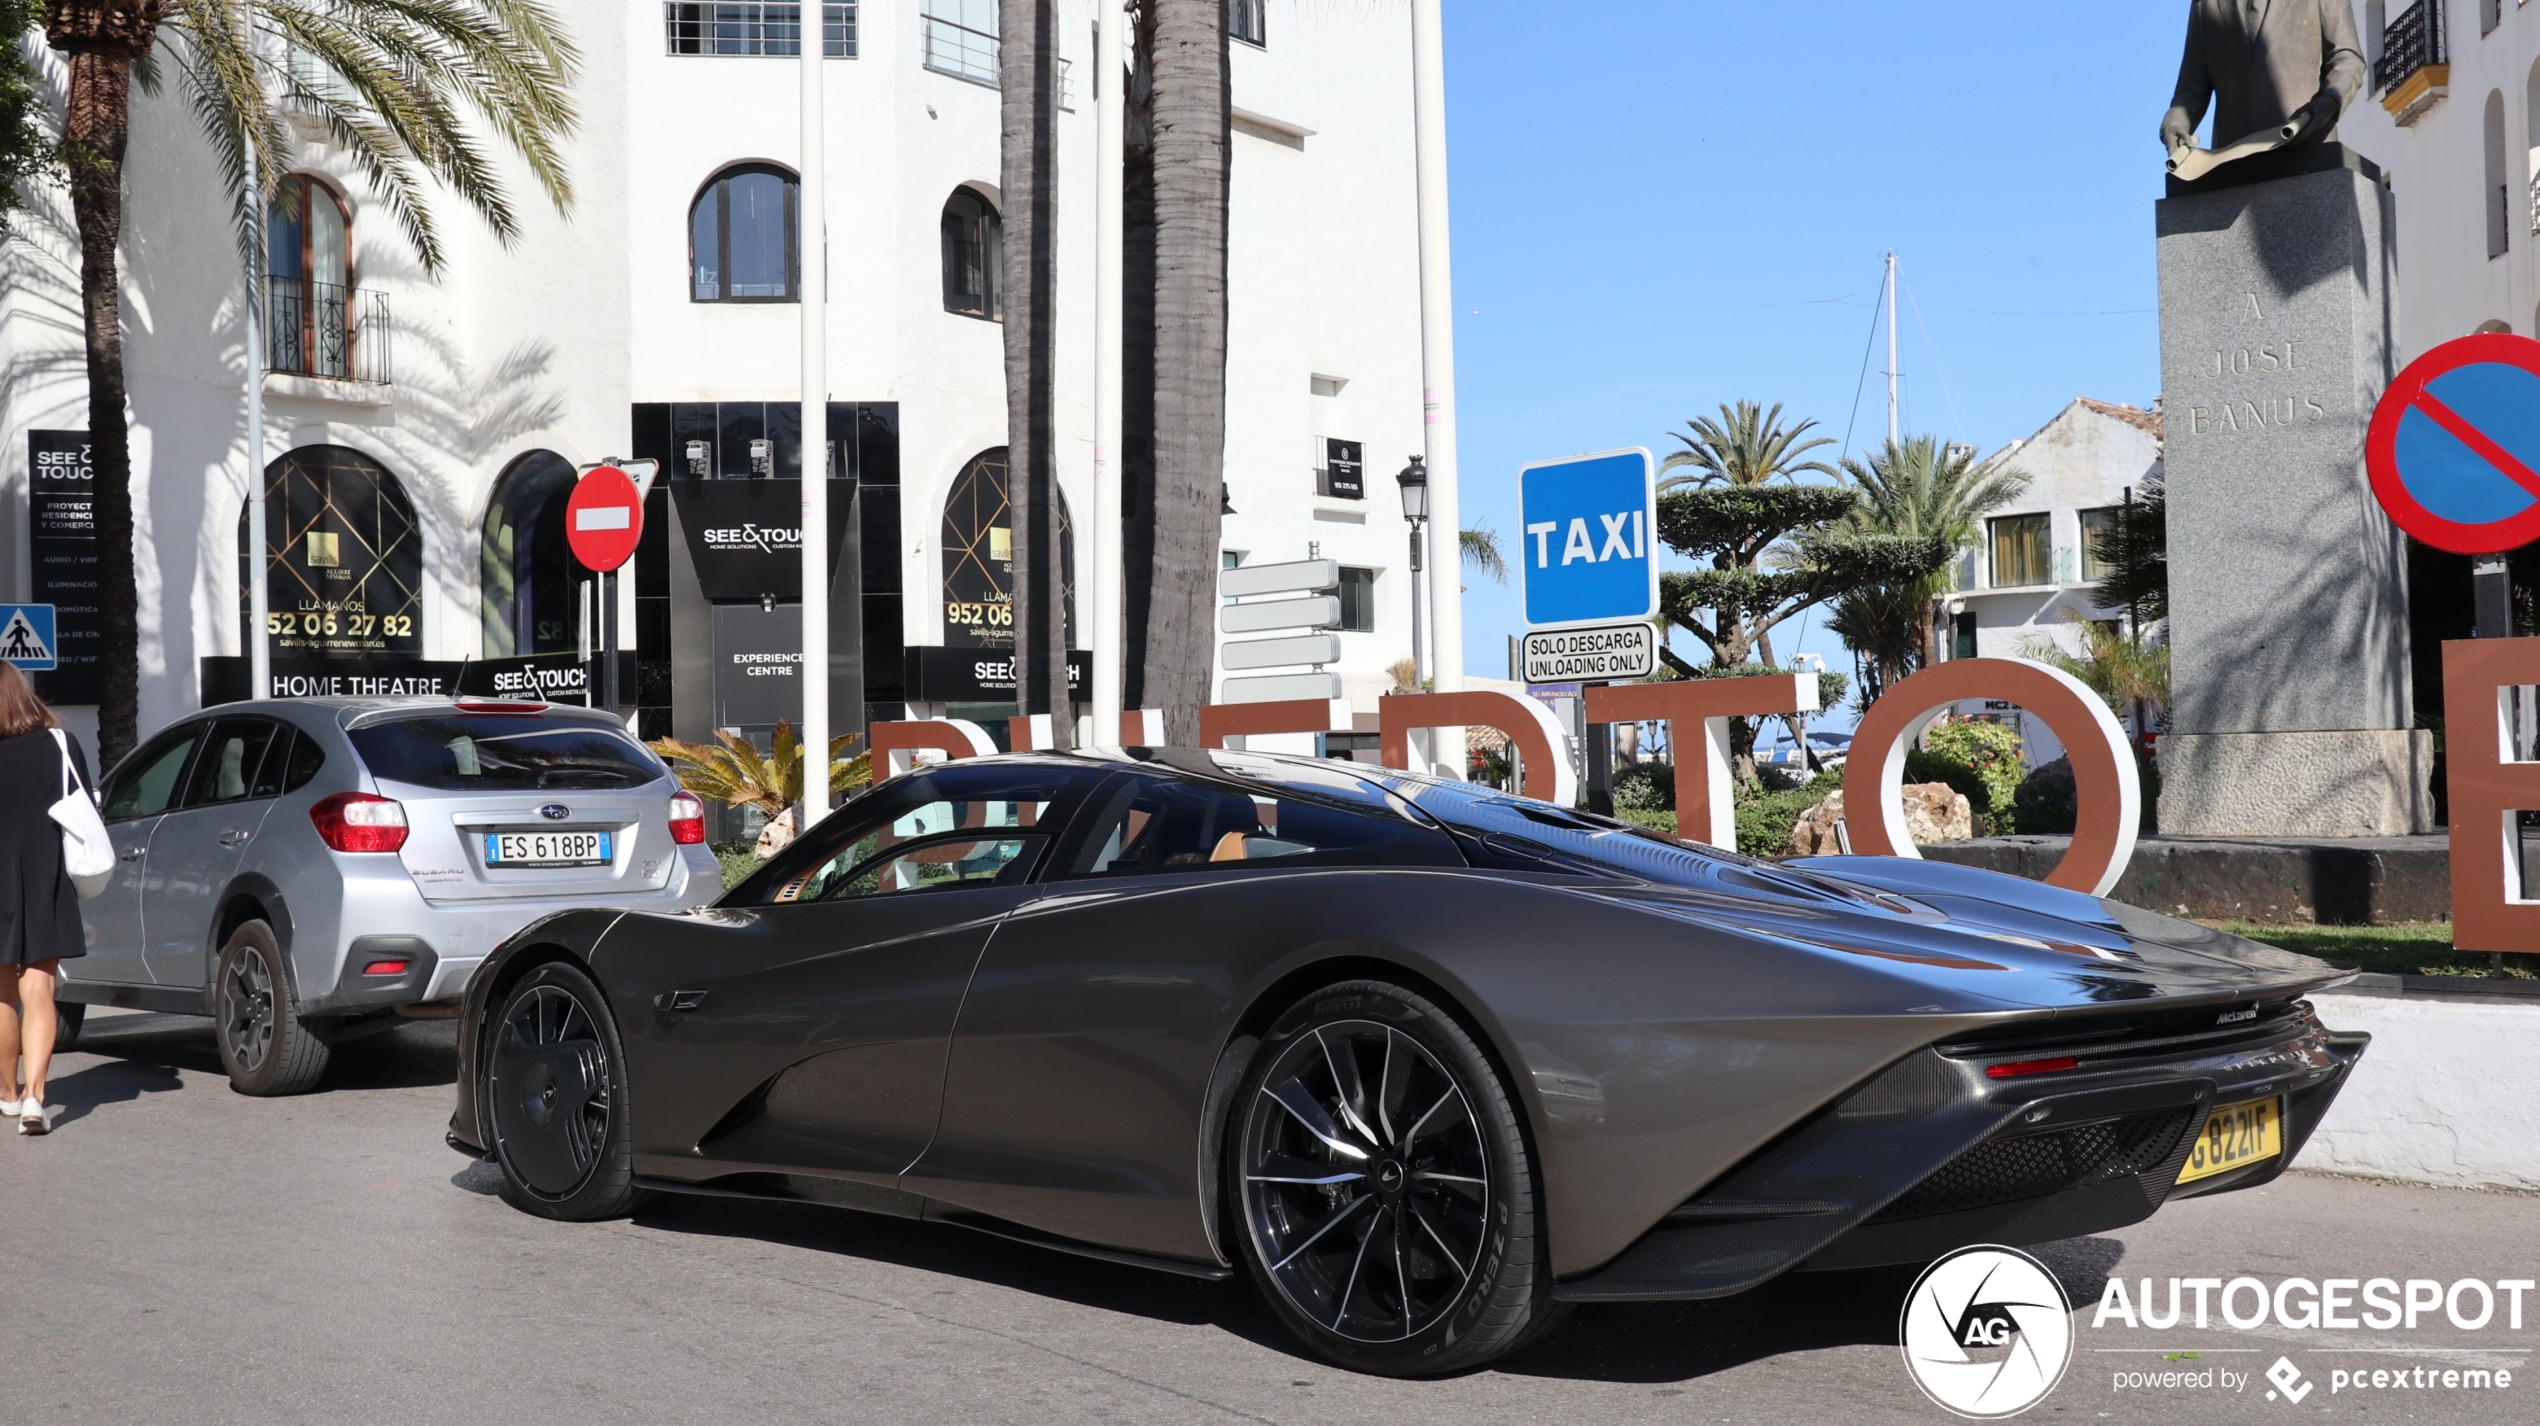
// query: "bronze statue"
[[2278, 72]]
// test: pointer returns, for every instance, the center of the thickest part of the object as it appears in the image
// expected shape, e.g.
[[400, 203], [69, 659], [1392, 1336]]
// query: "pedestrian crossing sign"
[[26, 636]]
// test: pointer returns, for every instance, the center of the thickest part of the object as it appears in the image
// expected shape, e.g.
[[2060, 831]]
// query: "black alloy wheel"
[[265, 1046], [554, 1090], [1387, 1193]]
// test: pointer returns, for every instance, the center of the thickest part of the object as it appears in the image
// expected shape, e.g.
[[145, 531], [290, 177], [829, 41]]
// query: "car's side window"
[[1149, 825], [145, 783], [934, 831], [227, 767]]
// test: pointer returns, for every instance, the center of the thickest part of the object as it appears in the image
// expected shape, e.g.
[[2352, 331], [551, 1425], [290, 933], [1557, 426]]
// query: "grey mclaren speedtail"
[[1428, 1062]]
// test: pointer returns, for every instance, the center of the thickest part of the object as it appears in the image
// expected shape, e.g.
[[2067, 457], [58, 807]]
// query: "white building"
[[422, 432], [2028, 580], [2452, 116]]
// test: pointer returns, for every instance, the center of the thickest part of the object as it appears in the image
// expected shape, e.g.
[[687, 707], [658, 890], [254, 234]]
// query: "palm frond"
[[1480, 549]]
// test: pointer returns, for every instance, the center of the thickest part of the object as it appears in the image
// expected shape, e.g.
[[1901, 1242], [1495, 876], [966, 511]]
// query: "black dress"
[[39, 908]]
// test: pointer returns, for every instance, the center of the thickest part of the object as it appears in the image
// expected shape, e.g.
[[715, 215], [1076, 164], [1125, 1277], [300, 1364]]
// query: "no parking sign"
[[2454, 449]]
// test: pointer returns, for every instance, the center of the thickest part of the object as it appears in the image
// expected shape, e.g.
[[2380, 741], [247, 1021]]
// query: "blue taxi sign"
[[1588, 552]]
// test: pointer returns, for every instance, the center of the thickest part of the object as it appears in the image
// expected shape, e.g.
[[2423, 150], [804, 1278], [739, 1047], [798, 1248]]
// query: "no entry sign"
[[2454, 449], [604, 519]]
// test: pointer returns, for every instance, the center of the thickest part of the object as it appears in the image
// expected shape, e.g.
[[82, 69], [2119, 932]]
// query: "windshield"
[[462, 752]]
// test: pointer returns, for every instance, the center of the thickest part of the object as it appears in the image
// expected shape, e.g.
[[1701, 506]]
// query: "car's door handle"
[[133, 854], [676, 1000], [234, 836]]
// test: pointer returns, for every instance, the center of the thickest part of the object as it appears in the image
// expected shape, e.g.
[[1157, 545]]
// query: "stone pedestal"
[[2288, 586]]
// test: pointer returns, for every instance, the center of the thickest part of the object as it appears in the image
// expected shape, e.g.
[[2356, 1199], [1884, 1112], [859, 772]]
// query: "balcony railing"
[[960, 39], [2413, 41], [323, 329]]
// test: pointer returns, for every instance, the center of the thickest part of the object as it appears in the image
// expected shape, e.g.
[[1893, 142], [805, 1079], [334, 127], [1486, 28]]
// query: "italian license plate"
[[528, 849], [2236, 1135]]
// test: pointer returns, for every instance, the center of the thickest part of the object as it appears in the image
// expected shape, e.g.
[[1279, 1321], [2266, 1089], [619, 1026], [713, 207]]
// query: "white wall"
[[545, 343]]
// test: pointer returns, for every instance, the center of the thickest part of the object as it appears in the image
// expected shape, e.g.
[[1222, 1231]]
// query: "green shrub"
[[1978, 759], [1764, 820], [739, 859], [1651, 785], [1656, 819]]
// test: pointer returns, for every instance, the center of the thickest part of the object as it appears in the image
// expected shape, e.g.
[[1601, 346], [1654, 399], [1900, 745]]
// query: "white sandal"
[[8, 1109], [35, 1117]]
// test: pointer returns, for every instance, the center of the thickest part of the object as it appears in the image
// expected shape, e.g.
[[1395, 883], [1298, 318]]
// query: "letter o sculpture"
[[2107, 793]]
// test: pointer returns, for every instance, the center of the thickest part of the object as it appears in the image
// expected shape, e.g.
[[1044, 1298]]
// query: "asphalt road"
[[176, 1252]]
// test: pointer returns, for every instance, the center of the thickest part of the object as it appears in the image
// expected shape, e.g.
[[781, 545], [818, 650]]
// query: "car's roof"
[[343, 712]]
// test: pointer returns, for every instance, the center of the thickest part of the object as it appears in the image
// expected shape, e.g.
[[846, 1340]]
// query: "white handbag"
[[87, 853]]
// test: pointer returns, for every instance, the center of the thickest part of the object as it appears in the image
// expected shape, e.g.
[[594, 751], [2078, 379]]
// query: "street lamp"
[[1414, 481]]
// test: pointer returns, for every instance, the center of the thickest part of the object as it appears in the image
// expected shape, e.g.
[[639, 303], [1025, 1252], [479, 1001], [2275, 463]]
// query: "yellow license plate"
[[2236, 1135]]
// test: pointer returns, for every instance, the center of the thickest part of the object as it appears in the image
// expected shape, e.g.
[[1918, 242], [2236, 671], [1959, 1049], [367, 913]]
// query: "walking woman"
[[39, 907]]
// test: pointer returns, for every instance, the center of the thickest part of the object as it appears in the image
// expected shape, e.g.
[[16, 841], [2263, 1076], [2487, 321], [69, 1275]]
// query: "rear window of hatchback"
[[476, 752]]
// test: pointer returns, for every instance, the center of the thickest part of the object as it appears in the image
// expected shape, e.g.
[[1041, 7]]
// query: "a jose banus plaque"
[[979, 557], [343, 559]]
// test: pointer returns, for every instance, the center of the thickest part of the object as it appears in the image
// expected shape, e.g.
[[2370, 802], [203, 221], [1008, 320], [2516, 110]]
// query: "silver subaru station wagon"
[[305, 872]]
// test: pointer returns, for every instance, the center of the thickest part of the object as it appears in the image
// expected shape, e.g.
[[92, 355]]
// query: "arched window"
[[526, 571], [2499, 223], [742, 244], [974, 254], [309, 279], [978, 531], [343, 558]]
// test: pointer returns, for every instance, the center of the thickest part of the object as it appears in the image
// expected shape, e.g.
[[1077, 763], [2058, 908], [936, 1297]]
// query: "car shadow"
[[1613, 1342], [1231, 1306], [414, 1054]]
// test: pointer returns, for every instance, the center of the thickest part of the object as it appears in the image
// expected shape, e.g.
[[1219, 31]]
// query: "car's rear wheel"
[[267, 1048], [1386, 1190], [68, 1018], [554, 1090]]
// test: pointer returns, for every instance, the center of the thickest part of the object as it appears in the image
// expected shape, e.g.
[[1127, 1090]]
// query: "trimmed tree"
[[1028, 79], [1733, 605]]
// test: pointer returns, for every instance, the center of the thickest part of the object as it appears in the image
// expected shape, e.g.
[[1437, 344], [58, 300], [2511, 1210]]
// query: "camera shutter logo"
[[1986, 1332]]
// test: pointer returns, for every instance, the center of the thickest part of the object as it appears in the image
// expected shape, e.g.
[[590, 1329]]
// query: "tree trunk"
[[95, 128], [1028, 79], [1181, 487]]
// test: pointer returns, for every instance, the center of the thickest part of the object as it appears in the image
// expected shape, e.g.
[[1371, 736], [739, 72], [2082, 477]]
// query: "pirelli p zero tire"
[[1386, 1196], [553, 1091], [267, 1048]]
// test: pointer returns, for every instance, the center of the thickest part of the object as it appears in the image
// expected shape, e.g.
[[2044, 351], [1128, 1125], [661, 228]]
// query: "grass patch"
[[2418, 948]]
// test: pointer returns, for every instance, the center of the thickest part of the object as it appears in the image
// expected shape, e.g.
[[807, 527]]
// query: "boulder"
[[777, 835], [1934, 812]]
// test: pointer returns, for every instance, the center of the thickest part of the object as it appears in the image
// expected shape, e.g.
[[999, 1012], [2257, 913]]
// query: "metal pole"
[[1437, 338], [1419, 666], [1891, 349], [259, 592], [609, 698], [2491, 597], [814, 249], [1107, 631], [1600, 768]]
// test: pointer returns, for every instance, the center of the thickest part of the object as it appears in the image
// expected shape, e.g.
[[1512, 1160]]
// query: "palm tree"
[[1480, 547], [1173, 380], [2129, 675], [1746, 446], [1923, 488], [398, 86], [1028, 78]]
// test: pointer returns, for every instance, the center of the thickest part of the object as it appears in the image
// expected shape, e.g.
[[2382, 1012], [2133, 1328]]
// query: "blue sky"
[[1660, 207]]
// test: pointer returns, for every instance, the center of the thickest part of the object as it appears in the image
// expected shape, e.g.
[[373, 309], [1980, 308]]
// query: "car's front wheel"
[[267, 1048], [1387, 1192], [553, 1087]]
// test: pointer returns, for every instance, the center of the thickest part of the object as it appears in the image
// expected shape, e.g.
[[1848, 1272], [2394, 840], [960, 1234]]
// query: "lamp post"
[[1414, 481], [814, 248]]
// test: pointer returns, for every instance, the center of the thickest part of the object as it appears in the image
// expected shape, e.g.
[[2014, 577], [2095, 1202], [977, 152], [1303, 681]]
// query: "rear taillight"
[[2016, 1068], [687, 819], [497, 705], [386, 968], [359, 822]]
